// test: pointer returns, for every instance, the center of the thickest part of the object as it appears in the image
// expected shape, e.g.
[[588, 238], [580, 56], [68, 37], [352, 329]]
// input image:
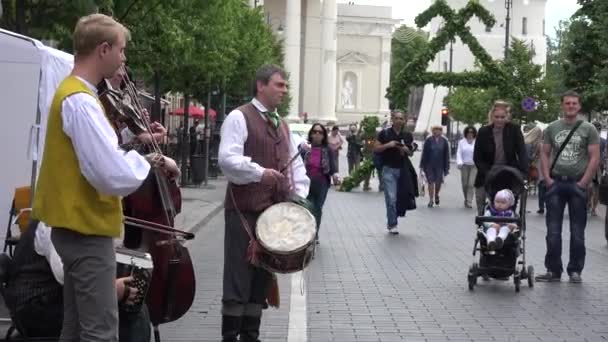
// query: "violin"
[[149, 217]]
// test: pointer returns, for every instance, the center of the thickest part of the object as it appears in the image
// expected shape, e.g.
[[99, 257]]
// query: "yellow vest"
[[63, 197]]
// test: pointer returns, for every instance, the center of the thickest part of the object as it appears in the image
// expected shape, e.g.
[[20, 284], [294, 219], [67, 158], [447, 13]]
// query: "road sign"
[[528, 104]]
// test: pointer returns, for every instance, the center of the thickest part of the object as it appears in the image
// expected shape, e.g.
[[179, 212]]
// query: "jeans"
[[390, 179], [542, 189], [467, 179], [556, 198], [317, 196]]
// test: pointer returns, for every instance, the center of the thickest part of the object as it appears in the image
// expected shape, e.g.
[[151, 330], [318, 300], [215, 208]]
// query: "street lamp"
[[508, 6]]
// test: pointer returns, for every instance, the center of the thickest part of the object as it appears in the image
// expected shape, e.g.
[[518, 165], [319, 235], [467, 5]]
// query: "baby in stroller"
[[501, 231], [502, 206]]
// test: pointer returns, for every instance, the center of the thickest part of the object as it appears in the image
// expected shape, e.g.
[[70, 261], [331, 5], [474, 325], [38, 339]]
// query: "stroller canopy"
[[504, 177]]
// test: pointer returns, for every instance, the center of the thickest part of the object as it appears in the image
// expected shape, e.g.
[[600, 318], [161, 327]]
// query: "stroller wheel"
[[472, 276], [530, 276], [517, 281]]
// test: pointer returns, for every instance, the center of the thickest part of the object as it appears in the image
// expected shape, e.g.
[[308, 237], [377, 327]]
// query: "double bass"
[[149, 219]]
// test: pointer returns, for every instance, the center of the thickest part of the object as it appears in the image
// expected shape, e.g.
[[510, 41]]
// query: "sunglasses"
[[317, 132]]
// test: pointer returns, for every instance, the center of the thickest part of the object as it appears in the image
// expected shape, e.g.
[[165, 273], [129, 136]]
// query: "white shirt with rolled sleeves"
[[108, 168], [464, 154], [240, 169]]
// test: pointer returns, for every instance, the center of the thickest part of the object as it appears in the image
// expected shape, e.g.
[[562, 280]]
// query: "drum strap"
[[254, 249]]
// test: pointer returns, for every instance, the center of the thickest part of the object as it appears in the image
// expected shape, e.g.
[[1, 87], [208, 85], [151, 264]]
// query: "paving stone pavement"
[[365, 285]]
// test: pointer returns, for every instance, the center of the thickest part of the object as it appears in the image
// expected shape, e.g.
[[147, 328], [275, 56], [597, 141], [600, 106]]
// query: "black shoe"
[[492, 246], [231, 325], [499, 243], [549, 277], [430, 205], [436, 200], [540, 211], [575, 278], [250, 329]]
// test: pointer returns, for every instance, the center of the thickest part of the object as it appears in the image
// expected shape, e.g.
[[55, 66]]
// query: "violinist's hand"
[[146, 115], [122, 285], [145, 138], [170, 168], [159, 131]]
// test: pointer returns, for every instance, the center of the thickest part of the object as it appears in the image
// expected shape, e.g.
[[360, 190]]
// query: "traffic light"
[[445, 117]]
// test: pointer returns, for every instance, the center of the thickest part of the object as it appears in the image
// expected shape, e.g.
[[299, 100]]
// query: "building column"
[[293, 36], [385, 74], [329, 46]]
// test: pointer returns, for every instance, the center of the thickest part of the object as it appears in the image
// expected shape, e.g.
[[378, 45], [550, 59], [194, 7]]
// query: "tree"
[[49, 20], [406, 42], [586, 53], [470, 105], [525, 79]]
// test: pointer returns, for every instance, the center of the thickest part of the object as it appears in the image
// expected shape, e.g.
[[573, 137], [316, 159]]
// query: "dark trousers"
[[556, 198], [134, 326], [317, 195], [245, 286], [542, 189]]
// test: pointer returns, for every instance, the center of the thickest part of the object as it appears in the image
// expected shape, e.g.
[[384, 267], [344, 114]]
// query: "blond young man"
[[83, 174]]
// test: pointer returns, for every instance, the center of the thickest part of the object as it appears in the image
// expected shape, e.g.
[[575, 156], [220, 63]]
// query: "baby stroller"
[[510, 260]]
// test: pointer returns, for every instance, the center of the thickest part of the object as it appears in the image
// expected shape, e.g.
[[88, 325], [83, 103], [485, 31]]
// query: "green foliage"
[[365, 169], [359, 175], [415, 74], [406, 42], [194, 46], [470, 105], [585, 53], [524, 79]]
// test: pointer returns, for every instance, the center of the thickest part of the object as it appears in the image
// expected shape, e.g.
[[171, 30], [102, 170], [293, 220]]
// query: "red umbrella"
[[194, 112]]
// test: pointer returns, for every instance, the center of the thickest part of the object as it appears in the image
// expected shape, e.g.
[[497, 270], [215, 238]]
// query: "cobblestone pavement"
[[365, 285]]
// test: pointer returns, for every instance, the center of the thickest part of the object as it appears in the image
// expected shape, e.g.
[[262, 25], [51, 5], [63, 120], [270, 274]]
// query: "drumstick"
[[290, 161]]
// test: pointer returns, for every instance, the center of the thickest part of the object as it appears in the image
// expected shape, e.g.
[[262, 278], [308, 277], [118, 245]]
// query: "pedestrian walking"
[[570, 157], [355, 144], [435, 162], [336, 140], [466, 164], [320, 169], [394, 145]]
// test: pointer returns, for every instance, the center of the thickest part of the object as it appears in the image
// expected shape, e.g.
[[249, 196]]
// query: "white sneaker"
[[393, 230]]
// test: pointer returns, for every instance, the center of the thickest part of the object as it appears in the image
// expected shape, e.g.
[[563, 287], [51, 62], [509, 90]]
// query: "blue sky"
[[408, 9]]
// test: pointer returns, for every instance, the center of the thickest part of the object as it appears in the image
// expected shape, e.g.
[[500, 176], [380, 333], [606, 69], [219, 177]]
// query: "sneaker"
[[499, 242], [575, 278], [549, 277], [393, 230]]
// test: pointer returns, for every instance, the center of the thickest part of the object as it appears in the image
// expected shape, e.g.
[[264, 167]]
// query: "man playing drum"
[[255, 145]]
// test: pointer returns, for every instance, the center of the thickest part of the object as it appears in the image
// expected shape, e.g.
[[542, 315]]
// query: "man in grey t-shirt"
[[567, 183]]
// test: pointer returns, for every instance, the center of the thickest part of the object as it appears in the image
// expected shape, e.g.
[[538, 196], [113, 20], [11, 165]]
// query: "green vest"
[[63, 197]]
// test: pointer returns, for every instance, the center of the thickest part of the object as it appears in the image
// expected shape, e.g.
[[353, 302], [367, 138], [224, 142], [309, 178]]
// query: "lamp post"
[[508, 6]]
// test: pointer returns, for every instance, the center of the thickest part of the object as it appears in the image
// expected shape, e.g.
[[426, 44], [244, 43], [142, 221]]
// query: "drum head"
[[286, 228]]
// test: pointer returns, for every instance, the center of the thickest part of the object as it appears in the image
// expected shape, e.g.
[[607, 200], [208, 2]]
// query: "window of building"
[[488, 28], [524, 26], [445, 66], [543, 27]]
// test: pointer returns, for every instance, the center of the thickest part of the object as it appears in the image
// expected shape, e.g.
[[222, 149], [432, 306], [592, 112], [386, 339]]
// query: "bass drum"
[[286, 232]]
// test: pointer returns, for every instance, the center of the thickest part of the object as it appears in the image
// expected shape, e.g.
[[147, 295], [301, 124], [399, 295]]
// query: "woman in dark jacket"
[[435, 162], [320, 168], [499, 143]]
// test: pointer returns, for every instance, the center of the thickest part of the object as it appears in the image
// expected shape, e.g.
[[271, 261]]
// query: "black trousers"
[[243, 283]]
